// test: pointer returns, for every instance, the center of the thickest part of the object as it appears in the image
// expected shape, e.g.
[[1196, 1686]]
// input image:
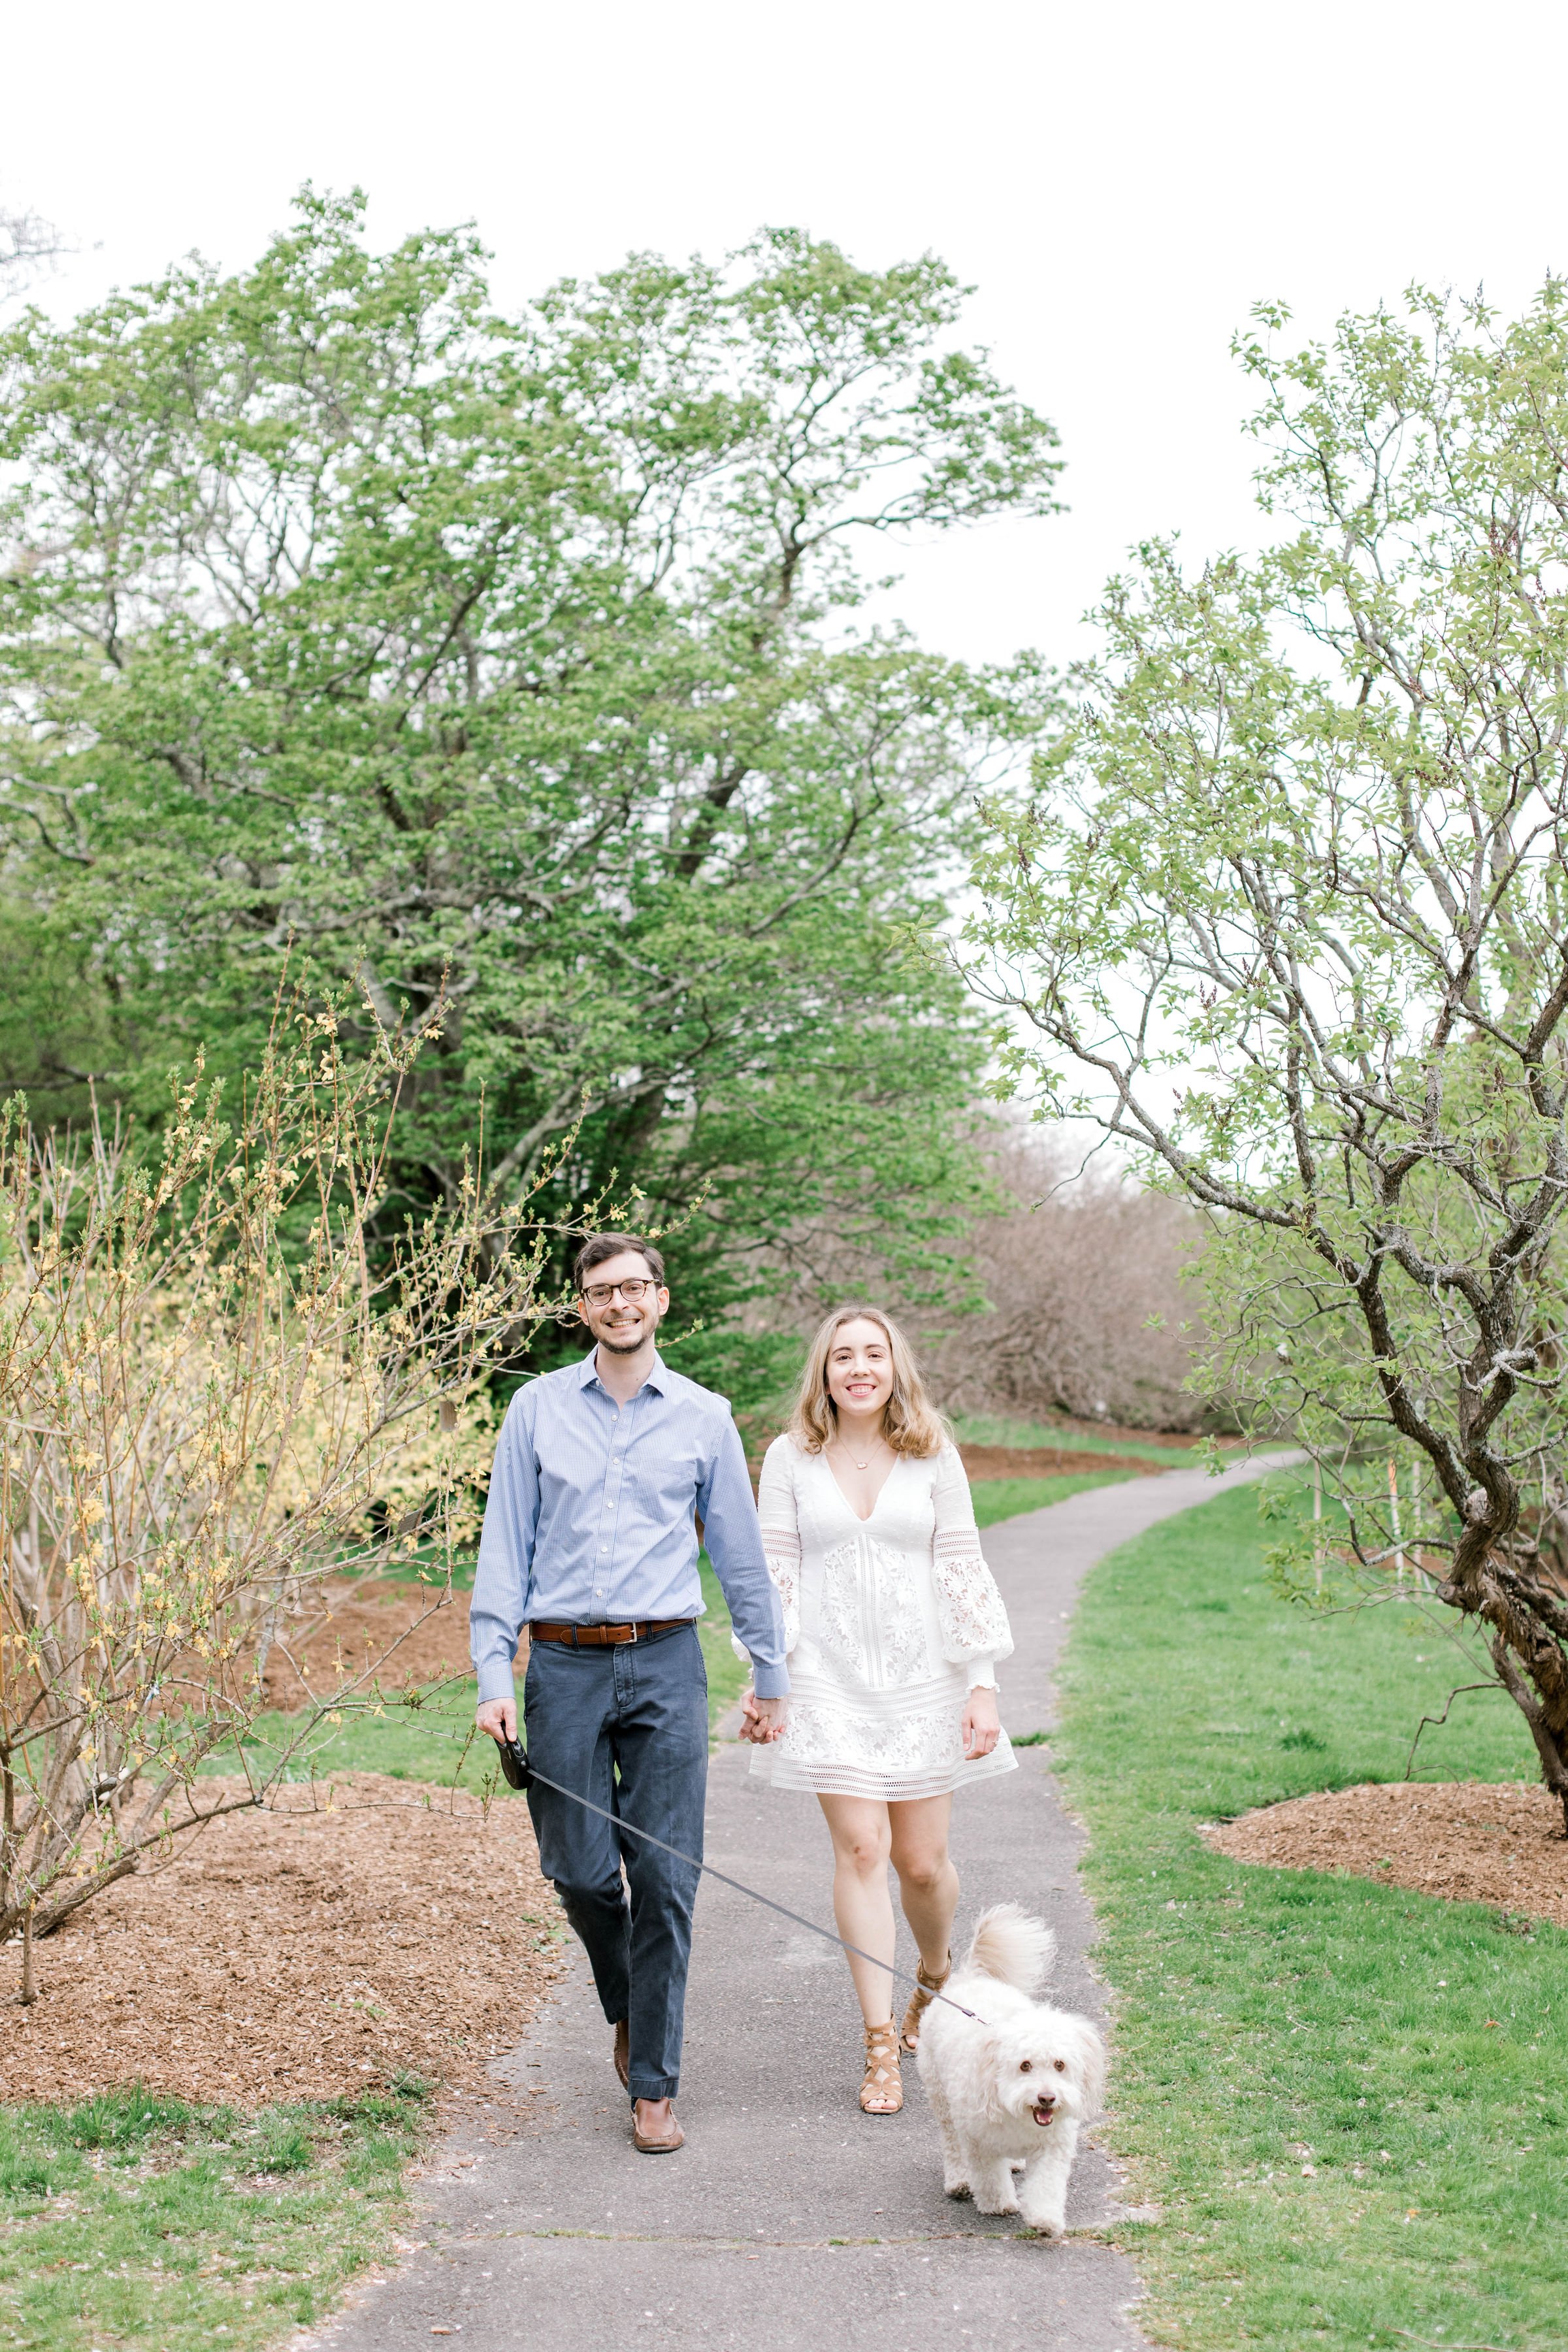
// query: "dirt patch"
[[1114, 1431], [297, 1951], [1050, 1461], [404, 1634], [1471, 1841]]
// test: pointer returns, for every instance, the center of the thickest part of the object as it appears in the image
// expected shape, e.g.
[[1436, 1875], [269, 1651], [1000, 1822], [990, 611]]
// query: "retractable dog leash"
[[520, 1772]]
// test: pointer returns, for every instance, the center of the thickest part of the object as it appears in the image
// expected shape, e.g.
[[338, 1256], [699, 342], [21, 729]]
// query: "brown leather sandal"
[[882, 2090], [920, 2000]]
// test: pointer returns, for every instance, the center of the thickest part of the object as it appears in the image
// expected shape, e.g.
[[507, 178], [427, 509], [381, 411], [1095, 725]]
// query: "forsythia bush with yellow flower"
[[226, 1373]]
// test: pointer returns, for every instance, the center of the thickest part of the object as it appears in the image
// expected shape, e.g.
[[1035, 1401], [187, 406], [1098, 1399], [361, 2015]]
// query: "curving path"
[[789, 2222]]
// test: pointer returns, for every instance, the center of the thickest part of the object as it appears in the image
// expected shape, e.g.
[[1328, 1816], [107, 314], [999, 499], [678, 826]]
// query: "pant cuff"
[[654, 2086]]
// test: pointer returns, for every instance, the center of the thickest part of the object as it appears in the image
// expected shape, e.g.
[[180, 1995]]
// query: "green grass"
[[995, 1429], [135, 2220], [1260, 2012], [1004, 1499], [428, 1743], [139, 2221], [431, 1743], [726, 1674]]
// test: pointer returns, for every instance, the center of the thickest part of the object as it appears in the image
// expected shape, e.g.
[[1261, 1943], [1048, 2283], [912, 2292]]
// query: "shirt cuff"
[[982, 1673], [770, 1682], [496, 1681]]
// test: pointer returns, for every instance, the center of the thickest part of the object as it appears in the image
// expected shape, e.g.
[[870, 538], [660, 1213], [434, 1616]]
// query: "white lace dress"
[[890, 1622]]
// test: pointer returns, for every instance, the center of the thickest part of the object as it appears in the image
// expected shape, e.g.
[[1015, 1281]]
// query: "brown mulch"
[[312, 1949], [1471, 1841], [1115, 1430], [1050, 1461], [401, 1632]]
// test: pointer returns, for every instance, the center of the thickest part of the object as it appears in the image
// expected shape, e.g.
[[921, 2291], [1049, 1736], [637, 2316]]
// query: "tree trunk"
[[1527, 1626], [29, 1983]]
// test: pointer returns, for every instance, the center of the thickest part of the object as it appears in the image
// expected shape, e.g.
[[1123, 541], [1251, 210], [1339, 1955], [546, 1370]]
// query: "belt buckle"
[[633, 1637]]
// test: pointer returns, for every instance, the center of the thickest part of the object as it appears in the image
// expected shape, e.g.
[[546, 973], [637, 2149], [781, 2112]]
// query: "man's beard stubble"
[[625, 1347]]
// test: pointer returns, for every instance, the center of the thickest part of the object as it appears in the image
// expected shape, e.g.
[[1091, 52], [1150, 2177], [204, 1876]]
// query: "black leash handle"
[[520, 1774]]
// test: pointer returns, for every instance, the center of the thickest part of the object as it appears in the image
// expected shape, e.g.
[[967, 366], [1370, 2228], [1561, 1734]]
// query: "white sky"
[[1121, 184]]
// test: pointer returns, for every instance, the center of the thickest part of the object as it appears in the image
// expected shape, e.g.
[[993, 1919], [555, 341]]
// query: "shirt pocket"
[[665, 1479]]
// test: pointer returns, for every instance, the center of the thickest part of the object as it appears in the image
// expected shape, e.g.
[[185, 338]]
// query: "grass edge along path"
[[1061, 1437], [131, 2219], [1350, 2103]]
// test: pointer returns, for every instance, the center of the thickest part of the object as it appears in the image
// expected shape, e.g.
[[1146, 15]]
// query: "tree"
[[210, 1401], [1288, 914], [29, 244], [1086, 1313], [488, 660]]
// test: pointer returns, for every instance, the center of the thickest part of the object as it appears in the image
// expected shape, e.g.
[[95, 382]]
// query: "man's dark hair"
[[604, 1246]]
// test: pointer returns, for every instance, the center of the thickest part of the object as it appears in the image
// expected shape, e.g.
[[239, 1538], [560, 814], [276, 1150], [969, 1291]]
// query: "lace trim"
[[871, 1621], [826, 1736], [785, 1568], [839, 1609], [900, 1620], [970, 1607], [856, 1780], [833, 1749]]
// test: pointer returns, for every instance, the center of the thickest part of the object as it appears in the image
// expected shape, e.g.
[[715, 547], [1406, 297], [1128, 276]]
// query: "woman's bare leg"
[[927, 1882], [861, 1903]]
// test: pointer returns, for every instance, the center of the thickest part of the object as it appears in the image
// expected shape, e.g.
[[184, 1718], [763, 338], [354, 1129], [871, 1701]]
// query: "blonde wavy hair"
[[911, 1423]]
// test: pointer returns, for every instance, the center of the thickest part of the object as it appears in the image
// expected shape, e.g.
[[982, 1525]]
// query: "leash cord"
[[517, 1757]]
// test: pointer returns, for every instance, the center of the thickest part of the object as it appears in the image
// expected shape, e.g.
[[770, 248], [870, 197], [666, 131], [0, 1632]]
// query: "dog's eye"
[[1026, 2066], [1061, 2065]]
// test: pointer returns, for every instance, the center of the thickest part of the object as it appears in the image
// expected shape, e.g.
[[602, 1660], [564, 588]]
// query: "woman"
[[892, 1625]]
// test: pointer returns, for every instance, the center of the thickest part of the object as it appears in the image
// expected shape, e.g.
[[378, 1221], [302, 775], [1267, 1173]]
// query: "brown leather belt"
[[606, 1637]]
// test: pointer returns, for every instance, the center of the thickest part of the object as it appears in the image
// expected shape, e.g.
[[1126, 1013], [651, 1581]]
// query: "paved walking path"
[[790, 2222]]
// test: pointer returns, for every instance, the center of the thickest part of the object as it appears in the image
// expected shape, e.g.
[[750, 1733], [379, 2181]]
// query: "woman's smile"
[[860, 1369]]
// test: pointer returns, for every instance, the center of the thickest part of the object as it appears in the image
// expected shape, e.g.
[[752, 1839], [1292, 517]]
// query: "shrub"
[[226, 1373]]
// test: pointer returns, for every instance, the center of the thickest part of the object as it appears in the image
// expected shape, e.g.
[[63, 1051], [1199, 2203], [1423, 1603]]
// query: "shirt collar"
[[588, 1372]]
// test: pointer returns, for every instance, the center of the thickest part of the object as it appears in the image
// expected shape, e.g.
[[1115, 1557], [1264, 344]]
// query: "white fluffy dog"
[[1012, 2089]]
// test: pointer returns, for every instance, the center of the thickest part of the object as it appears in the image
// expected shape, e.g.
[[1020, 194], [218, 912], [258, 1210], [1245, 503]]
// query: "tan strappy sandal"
[[920, 1999], [882, 2091]]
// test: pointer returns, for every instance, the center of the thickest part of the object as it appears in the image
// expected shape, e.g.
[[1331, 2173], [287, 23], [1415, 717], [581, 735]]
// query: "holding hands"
[[762, 1719]]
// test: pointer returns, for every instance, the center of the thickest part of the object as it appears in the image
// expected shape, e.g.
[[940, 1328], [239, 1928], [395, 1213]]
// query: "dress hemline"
[[835, 1779]]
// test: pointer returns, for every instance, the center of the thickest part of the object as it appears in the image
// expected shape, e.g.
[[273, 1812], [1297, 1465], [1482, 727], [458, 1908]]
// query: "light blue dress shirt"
[[590, 1518]]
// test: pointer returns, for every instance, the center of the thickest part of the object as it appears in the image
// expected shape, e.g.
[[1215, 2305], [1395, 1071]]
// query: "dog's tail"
[[1011, 1944]]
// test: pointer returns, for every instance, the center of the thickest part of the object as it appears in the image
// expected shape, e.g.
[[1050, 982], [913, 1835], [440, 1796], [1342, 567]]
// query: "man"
[[589, 1538]]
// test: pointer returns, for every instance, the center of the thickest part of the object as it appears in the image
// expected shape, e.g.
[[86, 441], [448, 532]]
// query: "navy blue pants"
[[629, 1728]]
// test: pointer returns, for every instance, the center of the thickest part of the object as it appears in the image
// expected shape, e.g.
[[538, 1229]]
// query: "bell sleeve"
[[974, 1628], [781, 1538]]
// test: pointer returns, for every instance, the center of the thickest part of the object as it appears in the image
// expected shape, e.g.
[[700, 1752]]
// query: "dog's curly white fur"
[[1013, 2091]]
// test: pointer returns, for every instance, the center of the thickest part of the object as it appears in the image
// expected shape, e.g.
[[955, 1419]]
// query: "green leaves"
[[484, 661], [1286, 915]]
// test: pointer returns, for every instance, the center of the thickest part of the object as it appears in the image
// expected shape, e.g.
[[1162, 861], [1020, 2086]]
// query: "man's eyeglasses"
[[599, 1293]]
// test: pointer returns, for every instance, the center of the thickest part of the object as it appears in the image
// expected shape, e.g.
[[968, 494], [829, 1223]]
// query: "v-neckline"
[[877, 1499]]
